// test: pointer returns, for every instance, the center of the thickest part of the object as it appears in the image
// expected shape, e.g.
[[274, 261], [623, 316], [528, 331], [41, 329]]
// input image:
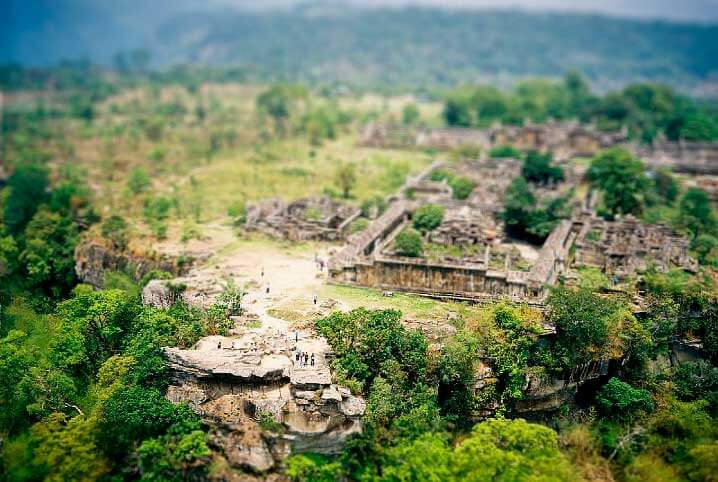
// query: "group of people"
[[304, 358]]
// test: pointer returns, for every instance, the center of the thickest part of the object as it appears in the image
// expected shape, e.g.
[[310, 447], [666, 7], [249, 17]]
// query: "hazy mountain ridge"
[[381, 45], [438, 46]]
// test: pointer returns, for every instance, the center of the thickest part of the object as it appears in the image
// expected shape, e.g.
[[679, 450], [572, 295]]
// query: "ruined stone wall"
[[682, 156], [567, 139], [462, 281]]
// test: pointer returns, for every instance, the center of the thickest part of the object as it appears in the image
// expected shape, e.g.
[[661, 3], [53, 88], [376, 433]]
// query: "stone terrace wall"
[[682, 156]]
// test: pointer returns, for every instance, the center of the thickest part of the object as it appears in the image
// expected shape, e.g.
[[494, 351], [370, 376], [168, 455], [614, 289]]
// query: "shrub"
[[504, 152], [408, 243], [428, 217], [620, 400], [115, 229], [138, 181], [238, 212], [461, 187], [537, 168]]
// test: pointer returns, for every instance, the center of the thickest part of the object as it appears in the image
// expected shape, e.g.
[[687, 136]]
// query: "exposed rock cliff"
[[261, 397], [93, 259]]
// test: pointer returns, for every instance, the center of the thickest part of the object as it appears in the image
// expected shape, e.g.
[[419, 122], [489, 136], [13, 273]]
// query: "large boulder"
[[235, 382]]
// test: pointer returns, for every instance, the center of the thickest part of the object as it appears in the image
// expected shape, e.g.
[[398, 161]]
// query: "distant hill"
[[398, 46]]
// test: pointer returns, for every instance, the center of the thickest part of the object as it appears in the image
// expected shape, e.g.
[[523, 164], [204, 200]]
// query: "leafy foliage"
[[621, 400], [428, 217], [525, 218], [408, 243], [622, 179], [537, 168]]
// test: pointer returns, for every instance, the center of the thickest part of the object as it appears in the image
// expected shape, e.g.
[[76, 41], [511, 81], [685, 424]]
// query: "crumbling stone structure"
[[620, 248], [399, 136], [321, 219], [565, 140], [682, 156], [626, 246]]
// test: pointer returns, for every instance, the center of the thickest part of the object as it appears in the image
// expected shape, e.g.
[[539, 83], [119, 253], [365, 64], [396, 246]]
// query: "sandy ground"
[[278, 276]]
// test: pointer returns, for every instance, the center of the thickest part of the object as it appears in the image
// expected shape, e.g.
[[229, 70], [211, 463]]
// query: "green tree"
[[622, 180], [66, 450], [374, 343], [519, 203], [8, 255], [410, 114], [428, 217], [706, 247], [537, 168], [346, 179], [174, 457], [15, 362], [134, 414], [665, 185], [695, 212], [496, 450], [696, 380], [618, 399], [408, 243], [92, 326], [583, 321], [313, 467], [456, 372], [277, 103], [28, 190], [48, 256]]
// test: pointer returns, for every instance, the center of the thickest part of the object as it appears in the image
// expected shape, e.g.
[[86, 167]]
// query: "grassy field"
[[478, 317], [209, 149]]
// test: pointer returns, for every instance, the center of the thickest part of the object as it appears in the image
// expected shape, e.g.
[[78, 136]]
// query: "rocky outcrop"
[[93, 260], [261, 397], [548, 394]]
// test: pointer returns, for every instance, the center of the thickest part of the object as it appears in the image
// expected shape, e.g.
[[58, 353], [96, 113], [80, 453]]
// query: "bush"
[[504, 152], [461, 187], [408, 243], [695, 380], [537, 168], [428, 217], [620, 400], [138, 181], [238, 212], [115, 229]]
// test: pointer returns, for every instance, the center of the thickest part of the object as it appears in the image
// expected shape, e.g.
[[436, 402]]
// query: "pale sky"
[[694, 10]]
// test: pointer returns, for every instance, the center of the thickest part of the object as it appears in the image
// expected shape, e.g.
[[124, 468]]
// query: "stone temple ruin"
[[317, 219], [699, 158], [627, 246], [565, 140], [475, 261]]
